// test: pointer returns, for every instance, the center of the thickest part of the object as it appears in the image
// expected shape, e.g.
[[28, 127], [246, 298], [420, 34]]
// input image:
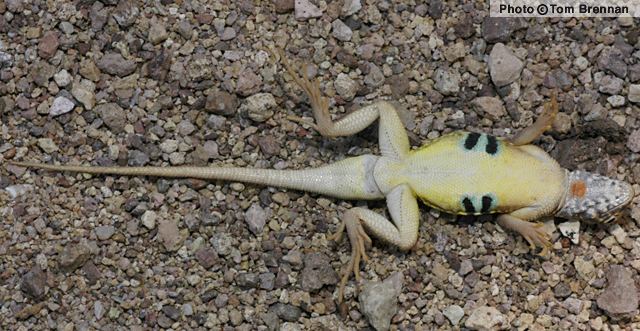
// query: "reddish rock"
[[48, 45]]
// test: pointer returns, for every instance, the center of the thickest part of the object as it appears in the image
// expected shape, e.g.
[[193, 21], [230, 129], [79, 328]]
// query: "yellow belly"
[[468, 173]]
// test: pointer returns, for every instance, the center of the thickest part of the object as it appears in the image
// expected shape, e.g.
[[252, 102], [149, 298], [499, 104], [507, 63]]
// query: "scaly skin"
[[460, 173]]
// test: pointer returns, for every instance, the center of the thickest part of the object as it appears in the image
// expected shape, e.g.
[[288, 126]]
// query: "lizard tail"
[[339, 179]]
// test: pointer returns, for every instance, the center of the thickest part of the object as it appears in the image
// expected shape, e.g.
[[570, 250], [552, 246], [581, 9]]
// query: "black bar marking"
[[492, 145], [468, 206], [486, 204], [471, 141]]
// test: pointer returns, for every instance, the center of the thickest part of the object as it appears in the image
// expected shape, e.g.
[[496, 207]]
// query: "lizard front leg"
[[403, 208], [531, 232], [394, 142], [542, 124]]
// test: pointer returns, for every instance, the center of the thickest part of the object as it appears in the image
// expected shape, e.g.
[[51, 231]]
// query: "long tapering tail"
[[344, 179]]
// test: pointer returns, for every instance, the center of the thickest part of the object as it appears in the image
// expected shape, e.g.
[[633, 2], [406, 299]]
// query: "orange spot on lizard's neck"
[[578, 188]]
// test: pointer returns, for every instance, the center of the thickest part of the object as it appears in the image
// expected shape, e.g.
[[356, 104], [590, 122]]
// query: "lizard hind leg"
[[359, 240], [542, 124], [533, 233], [402, 232], [319, 103]]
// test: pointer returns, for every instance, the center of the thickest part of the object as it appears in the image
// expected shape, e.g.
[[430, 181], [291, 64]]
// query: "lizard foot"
[[537, 237], [550, 112], [533, 233], [542, 124], [360, 241], [319, 104]]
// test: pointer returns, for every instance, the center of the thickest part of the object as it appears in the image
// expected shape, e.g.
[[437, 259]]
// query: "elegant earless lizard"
[[464, 173]]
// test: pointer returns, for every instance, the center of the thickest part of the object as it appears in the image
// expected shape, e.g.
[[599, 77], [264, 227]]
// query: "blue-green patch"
[[478, 204], [479, 142]]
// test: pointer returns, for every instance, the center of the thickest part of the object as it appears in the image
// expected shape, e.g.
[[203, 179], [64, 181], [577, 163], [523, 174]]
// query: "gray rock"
[[454, 314], [486, 319], [89, 70], [294, 258], [289, 313], [6, 59], [267, 281], [170, 235], [115, 64], [15, 6], [573, 305], [620, 298], [269, 145], [256, 218], [61, 105], [105, 232], [157, 33], [634, 93], [612, 59], [248, 280], [562, 290], [185, 29], [125, 13], [206, 257], [610, 85], [149, 219], [73, 256], [465, 267], [66, 27], [18, 190], [634, 73], [351, 7], [375, 77], [633, 142], [222, 243], [227, 34], [62, 78], [557, 78], [113, 116], [84, 93], [98, 16], [317, 272], [304, 10], [259, 107], [47, 145], [248, 82], [172, 312], [283, 6], [616, 100], [379, 301], [504, 66], [345, 86], [220, 102], [186, 128], [41, 72], [447, 81], [33, 283], [341, 31], [562, 123], [136, 158], [490, 107], [500, 29], [187, 309], [98, 309]]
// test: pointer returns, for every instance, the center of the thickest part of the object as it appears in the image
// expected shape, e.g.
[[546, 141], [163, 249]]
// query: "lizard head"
[[594, 198]]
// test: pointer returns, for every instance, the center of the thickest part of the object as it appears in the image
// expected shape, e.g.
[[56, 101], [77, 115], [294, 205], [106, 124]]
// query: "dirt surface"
[[192, 83]]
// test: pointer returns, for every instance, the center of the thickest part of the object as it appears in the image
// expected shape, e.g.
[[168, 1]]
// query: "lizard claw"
[[360, 241], [337, 236], [537, 237]]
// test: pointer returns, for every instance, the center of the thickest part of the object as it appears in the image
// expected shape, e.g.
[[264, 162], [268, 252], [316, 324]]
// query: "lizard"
[[463, 173]]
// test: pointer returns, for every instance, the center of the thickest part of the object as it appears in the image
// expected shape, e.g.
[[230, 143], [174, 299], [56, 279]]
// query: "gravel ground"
[[191, 82]]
